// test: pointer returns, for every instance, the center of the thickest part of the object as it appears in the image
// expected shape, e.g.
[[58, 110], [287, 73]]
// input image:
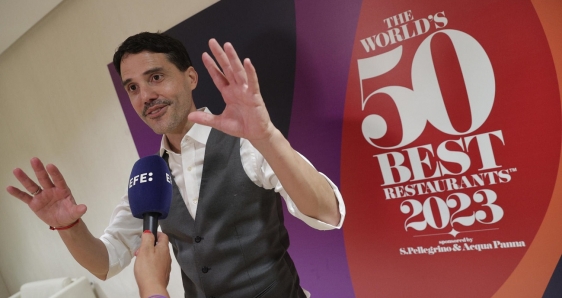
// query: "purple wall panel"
[[146, 141], [325, 34]]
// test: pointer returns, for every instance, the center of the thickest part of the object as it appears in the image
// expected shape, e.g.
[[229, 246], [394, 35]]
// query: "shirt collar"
[[199, 133]]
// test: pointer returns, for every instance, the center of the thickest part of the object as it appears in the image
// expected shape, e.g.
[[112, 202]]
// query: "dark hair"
[[155, 43]]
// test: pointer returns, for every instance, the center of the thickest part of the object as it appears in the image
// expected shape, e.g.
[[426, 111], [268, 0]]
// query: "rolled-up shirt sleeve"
[[261, 173], [122, 237]]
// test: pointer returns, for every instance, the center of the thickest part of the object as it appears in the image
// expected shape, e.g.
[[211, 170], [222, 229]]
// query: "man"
[[225, 223]]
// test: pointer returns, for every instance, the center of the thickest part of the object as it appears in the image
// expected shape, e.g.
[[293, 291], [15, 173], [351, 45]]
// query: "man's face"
[[159, 92]]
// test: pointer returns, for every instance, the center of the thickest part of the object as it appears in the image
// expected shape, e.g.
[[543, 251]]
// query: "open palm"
[[245, 114], [54, 204]]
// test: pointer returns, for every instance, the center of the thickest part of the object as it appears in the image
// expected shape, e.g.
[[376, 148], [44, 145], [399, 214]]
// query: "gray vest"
[[237, 244]]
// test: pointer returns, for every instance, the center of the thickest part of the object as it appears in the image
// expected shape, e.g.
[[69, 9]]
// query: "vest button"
[[205, 269], [198, 239]]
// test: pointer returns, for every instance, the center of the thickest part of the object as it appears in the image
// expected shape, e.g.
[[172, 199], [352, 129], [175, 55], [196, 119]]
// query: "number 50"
[[424, 102]]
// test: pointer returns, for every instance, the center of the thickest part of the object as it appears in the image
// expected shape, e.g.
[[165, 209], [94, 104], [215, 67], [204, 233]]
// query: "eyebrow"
[[152, 70]]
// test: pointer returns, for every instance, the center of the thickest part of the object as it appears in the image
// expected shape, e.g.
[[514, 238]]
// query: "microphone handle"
[[150, 222]]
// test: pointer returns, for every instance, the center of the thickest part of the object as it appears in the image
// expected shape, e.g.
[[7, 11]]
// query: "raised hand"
[[51, 199], [245, 114]]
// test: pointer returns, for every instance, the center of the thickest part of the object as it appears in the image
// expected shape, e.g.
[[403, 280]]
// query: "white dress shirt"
[[122, 236]]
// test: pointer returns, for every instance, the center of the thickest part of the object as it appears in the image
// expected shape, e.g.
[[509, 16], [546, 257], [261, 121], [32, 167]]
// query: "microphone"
[[150, 191]]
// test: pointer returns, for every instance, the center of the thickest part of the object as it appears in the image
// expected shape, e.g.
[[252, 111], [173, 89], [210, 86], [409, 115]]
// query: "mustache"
[[154, 103]]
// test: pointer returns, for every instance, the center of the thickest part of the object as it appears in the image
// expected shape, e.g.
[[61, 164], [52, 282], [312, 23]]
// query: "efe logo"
[[142, 178]]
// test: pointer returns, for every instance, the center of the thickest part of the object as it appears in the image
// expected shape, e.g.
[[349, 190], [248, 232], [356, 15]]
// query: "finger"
[[163, 246], [168, 269], [41, 173], [162, 240], [203, 118], [222, 59], [25, 181], [236, 64], [252, 76], [56, 176], [216, 74], [23, 196]]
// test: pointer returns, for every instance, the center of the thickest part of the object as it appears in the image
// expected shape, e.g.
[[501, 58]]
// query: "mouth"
[[155, 109]]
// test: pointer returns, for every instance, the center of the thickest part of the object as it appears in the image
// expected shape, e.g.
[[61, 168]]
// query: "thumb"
[[147, 242], [202, 118], [79, 210]]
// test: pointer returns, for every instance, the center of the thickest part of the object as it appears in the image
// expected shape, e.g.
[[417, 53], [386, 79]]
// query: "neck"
[[174, 139]]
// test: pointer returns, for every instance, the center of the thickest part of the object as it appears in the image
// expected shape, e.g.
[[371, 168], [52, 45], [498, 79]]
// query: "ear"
[[192, 76]]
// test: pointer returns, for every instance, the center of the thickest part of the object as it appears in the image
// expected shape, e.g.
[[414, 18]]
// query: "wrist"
[[65, 227], [154, 292], [273, 137], [158, 296]]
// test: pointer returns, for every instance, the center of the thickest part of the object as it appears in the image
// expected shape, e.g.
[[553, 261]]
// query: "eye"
[[132, 88], [157, 77]]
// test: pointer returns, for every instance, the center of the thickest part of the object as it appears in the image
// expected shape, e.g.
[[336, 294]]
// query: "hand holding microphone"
[[150, 191], [153, 265]]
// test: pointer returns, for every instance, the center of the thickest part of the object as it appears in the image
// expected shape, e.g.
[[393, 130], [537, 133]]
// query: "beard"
[[173, 120]]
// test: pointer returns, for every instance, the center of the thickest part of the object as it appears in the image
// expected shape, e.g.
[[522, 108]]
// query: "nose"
[[147, 94]]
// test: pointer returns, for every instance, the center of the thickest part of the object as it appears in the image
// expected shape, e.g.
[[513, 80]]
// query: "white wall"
[[3, 289], [57, 102]]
